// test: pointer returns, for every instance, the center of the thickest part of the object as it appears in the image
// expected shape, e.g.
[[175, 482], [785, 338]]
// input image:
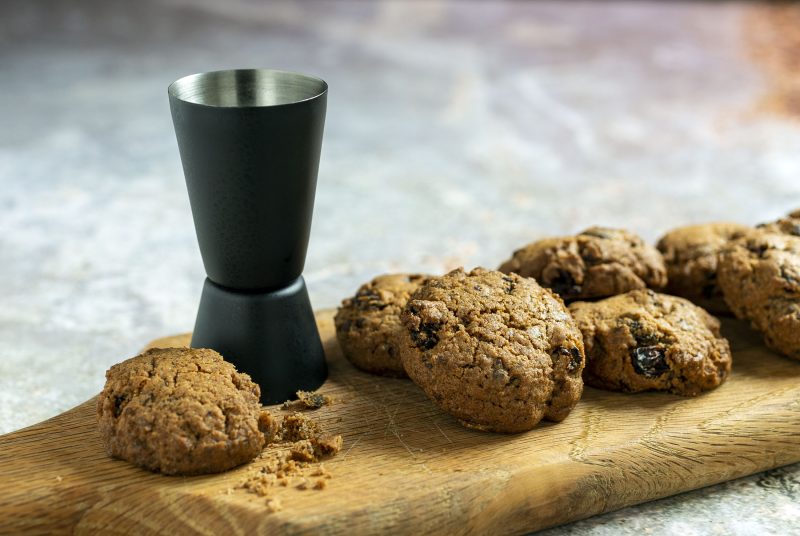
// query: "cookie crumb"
[[292, 458], [313, 400], [269, 426], [274, 505], [297, 427], [320, 471], [327, 446], [302, 451], [59, 479]]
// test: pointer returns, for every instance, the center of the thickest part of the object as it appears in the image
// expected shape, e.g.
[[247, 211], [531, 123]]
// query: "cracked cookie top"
[[645, 341], [789, 224], [180, 411], [760, 278], [596, 263], [368, 324], [497, 351], [690, 254]]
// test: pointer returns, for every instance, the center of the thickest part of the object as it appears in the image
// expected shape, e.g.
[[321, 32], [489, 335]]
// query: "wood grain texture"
[[407, 467]]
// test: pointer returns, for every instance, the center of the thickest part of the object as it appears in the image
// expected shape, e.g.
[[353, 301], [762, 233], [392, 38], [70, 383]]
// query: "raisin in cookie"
[[595, 263], [643, 341], [497, 351], [180, 411], [368, 324], [760, 279], [690, 254], [789, 224]]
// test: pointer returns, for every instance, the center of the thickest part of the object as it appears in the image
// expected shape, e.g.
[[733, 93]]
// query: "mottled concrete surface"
[[456, 132]]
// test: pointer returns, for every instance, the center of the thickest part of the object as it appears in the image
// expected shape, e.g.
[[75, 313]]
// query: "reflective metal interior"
[[247, 87]]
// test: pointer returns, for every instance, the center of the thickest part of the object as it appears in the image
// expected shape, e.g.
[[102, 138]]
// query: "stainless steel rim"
[[247, 88]]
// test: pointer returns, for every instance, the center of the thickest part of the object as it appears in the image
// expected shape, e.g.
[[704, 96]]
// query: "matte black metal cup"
[[250, 143]]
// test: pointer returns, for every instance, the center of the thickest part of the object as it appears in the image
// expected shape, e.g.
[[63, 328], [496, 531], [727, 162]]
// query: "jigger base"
[[272, 336]]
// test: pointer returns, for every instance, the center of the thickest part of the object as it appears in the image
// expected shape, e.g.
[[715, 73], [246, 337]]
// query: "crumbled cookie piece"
[[302, 451], [293, 458], [180, 411], [497, 351], [309, 400], [690, 254], [297, 426], [269, 426], [596, 263], [274, 505], [368, 324], [760, 279], [326, 446], [644, 341]]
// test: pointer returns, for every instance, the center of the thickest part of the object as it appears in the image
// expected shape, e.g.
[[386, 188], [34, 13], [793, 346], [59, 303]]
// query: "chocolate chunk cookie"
[[760, 279], [497, 351], [180, 411], [368, 324], [790, 224], [595, 263], [644, 341], [690, 254]]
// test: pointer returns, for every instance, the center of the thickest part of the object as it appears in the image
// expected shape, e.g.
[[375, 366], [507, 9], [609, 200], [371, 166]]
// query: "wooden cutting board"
[[407, 467]]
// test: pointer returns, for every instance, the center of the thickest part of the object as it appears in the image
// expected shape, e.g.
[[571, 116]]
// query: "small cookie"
[[596, 263], [646, 341], [180, 411], [690, 254], [789, 224], [368, 324], [497, 351], [760, 279]]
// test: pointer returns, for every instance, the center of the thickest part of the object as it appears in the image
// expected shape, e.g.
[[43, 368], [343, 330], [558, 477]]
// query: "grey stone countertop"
[[456, 132]]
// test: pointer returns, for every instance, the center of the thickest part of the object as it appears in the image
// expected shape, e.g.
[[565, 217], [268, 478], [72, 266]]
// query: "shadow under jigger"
[[250, 142]]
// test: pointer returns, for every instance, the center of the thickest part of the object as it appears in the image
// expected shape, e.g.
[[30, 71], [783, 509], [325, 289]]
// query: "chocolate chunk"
[[426, 337], [118, 403], [510, 285], [573, 354], [649, 361], [564, 284]]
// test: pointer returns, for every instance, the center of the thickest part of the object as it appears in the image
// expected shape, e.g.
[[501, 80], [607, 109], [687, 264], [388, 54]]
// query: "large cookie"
[[644, 341], [596, 263], [368, 324], [760, 279], [690, 254], [180, 411], [497, 351]]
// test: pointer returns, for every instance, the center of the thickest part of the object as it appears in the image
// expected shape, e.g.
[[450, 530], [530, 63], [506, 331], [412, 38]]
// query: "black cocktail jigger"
[[250, 143]]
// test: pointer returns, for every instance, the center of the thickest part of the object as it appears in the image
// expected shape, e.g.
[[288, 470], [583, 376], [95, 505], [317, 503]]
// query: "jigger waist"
[[290, 287]]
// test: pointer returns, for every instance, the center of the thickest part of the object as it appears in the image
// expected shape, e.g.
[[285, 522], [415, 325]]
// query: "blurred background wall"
[[456, 132]]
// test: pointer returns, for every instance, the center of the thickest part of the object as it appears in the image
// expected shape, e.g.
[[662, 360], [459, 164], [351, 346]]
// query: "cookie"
[[647, 341], [760, 279], [789, 224], [497, 351], [596, 263], [690, 254], [180, 411], [368, 324]]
